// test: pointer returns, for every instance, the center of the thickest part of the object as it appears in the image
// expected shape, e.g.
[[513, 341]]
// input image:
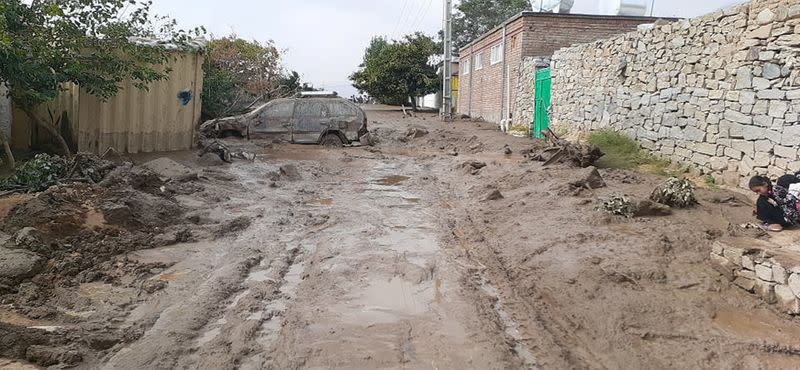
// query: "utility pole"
[[447, 70]]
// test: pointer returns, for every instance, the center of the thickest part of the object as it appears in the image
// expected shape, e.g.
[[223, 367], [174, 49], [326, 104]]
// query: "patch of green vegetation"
[[710, 181], [620, 151], [37, 174]]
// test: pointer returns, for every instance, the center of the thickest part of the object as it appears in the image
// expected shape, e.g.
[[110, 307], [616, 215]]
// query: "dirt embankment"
[[63, 244]]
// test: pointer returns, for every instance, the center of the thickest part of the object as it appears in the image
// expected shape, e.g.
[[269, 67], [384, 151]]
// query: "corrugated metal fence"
[[161, 118]]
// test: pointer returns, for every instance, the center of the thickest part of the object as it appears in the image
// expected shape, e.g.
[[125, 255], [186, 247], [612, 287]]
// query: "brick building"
[[490, 66]]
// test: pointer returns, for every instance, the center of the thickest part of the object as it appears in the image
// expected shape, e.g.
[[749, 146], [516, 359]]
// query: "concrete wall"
[[491, 92], [720, 92]]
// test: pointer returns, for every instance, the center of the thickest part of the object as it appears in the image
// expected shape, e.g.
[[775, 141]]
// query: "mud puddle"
[[386, 301], [391, 180], [756, 325]]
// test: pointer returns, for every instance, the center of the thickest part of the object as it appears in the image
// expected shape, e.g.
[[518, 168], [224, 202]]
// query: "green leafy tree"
[[45, 44], [397, 72], [474, 18]]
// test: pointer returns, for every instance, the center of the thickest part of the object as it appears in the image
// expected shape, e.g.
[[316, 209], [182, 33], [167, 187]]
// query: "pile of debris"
[[562, 151], [44, 171], [675, 192]]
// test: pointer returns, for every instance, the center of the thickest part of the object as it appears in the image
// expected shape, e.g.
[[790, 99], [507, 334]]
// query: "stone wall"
[[720, 92], [761, 268], [523, 104]]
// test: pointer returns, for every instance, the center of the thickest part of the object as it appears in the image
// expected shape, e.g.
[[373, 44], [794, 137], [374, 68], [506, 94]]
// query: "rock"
[[18, 264], [289, 171], [29, 238], [416, 133], [116, 213], [786, 300], [794, 284], [508, 151], [473, 167], [766, 16], [779, 274], [169, 169], [646, 208], [744, 283], [493, 195], [590, 178], [764, 272], [723, 266], [49, 356], [765, 290], [770, 71]]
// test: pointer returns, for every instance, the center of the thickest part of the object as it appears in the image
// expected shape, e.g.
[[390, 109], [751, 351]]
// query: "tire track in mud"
[[164, 342]]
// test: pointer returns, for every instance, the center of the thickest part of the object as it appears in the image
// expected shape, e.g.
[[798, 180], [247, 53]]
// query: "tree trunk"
[[414, 104], [7, 149], [51, 130]]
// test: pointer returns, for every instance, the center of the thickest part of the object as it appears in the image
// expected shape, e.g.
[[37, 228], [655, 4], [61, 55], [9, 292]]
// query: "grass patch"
[[623, 152]]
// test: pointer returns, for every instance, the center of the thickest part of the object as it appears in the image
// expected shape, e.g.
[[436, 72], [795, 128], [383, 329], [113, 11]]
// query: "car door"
[[274, 121], [345, 118], [311, 120]]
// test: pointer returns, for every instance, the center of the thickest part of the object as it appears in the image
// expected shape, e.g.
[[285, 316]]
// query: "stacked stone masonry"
[[720, 92], [760, 268]]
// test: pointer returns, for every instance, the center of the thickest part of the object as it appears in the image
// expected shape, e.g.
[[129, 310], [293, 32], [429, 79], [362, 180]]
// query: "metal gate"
[[541, 117]]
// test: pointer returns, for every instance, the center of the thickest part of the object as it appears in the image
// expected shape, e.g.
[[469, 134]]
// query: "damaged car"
[[313, 119]]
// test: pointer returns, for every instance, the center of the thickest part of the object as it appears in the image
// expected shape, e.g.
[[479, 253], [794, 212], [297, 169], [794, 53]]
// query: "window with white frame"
[[478, 62], [465, 67], [497, 54]]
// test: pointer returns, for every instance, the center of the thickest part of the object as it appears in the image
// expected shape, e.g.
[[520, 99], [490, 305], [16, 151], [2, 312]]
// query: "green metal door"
[[541, 117]]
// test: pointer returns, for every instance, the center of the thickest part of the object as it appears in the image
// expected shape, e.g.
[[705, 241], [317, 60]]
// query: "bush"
[[623, 152], [38, 174]]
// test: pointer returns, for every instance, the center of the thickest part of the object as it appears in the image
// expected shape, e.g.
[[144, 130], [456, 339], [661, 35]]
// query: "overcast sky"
[[324, 40]]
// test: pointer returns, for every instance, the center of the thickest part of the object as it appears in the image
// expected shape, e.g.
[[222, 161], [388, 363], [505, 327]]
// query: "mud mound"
[[138, 178], [135, 209], [168, 169], [57, 212]]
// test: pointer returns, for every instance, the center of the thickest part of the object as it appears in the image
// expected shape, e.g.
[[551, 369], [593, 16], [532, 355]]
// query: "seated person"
[[775, 207]]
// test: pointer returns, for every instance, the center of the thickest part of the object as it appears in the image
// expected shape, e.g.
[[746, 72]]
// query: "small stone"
[[744, 283], [786, 299], [764, 272], [771, 71], [590, 178], [765, 290], [717, 248], [779, 274], [765, 16], [747, 263], [794, 283], [723, 266], [493, 195]]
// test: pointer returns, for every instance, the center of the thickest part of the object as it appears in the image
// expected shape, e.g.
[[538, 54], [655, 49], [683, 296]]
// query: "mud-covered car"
[[312, 120]]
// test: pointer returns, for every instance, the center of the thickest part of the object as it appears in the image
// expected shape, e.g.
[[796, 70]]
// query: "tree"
[[45, 44], [397, 72], [239, 74], [477, 17]]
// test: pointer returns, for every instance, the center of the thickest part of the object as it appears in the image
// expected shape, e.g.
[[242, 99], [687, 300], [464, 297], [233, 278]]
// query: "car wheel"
[[331, 140]]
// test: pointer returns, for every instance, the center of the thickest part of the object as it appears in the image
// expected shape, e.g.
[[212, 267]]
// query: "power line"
[[399, 19], [421, 15]]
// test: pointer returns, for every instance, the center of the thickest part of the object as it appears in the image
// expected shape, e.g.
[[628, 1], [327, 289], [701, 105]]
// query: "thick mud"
[[441, 247]]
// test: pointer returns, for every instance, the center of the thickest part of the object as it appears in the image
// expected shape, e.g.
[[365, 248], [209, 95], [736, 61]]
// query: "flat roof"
[[644, 20]]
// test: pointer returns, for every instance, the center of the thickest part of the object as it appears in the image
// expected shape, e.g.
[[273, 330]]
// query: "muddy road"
[[440, 247]]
